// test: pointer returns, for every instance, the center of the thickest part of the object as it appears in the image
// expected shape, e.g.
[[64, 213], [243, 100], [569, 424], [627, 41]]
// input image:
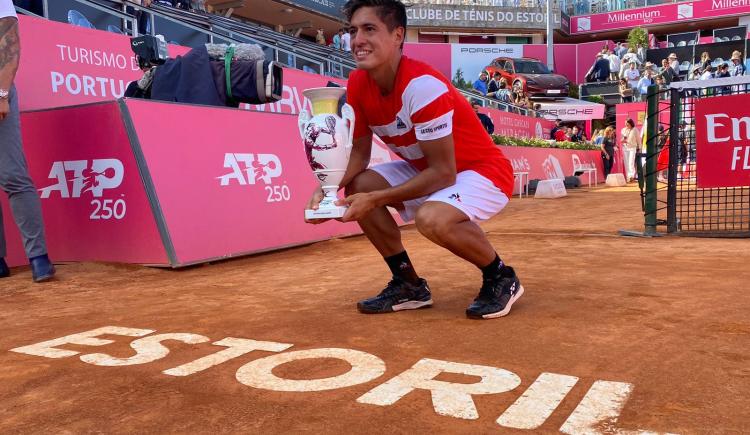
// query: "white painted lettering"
[[148, 349], [236, 347], [448, 398], [259, 373], [538, 402], [48, 348]]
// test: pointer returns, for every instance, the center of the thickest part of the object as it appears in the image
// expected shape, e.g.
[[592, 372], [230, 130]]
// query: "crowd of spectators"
[[498, 89], [634, 74]]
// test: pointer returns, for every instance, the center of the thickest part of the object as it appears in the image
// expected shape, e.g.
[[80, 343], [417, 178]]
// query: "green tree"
[[459, 81], [638, 37]]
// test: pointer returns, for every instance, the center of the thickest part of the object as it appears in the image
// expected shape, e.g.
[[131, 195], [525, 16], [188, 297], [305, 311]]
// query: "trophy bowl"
[[327, 138]]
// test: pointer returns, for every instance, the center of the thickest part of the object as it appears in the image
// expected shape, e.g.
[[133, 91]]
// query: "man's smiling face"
[[373, 44]]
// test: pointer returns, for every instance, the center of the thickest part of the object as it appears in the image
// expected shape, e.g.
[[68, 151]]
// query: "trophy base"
[[325, 213]]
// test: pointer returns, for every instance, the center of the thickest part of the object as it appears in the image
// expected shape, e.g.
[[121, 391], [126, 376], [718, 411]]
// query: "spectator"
[[597, 137], [723, 72], [632, 75], [630, 142], [626, 92], [614, 66], [667, 73], [643, 84], [14, 174], [621, 50], [484, 119], [346, 41], [608, 147], [198, 5], [630, 56], [480, 84], [561, 135], [503, 93], [337, 39], [493, 85], [576, 135], [705, 61], [320, 37], [556, 128], [599, 71], [522, 100], [708, 73], [738, 68], [697, 71], [674, 63]]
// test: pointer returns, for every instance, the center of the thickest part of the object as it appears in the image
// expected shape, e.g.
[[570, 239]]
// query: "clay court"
[[668, 316]]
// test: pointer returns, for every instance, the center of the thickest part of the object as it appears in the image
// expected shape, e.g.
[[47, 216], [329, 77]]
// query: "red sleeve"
[[430, 105], [353, 98]]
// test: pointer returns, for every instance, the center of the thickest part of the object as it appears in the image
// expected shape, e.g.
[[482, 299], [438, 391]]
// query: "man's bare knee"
[[430, 223], [367, 181]]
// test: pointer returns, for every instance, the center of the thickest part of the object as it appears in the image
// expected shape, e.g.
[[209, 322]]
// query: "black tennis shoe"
[[496, 296], [398, 295]]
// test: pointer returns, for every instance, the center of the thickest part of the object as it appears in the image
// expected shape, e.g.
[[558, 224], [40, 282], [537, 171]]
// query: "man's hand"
[[360, 204], [313, 204], [4, 108]]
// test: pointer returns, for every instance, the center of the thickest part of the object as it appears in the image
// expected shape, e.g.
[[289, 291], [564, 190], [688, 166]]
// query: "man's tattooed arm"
[[10, 51]]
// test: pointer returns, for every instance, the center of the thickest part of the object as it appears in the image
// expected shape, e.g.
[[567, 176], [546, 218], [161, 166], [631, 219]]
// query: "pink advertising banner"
[[93, 201], [662, 14], [64, 65], [513, 124], [551, 163], [228, 191]]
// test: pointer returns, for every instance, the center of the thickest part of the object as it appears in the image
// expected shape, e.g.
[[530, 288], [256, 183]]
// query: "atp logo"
[[248, 168], [552, 169], [74, 177]]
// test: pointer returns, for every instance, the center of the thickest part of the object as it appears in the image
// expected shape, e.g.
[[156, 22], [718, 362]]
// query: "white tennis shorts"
[[473, 194]]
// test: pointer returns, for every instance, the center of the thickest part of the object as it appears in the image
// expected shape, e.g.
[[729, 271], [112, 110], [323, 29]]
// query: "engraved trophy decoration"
[[328, 143]]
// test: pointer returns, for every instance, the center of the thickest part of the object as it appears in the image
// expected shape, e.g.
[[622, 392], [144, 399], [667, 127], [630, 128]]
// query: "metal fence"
[[668, 171]]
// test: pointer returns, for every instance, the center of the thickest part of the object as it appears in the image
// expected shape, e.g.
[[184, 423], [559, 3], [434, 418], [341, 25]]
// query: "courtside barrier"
[[165, 184]]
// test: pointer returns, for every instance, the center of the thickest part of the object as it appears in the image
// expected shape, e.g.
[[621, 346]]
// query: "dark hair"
[[391, 12], [631, 122]]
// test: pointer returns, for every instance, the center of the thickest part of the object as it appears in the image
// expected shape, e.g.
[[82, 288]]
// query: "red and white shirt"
[[424, 105]]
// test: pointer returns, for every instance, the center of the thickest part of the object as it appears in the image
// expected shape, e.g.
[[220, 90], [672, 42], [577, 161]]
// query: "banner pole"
[[652, 138]]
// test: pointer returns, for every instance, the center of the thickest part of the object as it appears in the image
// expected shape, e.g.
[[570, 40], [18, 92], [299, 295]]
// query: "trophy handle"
[[347, 112], [302, 120]]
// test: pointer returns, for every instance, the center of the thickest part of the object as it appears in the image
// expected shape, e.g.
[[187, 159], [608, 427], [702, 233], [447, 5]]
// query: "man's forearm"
[[425, 183], [10, 51]]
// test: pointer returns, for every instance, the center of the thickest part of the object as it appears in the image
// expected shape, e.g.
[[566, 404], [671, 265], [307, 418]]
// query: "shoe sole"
[[44, 278], [503, 312], [411, 305]]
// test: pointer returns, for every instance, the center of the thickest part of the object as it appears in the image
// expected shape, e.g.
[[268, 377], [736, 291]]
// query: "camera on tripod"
[[149, 51], [210, 74]]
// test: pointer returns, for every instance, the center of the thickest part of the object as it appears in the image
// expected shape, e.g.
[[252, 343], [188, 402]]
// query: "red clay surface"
[[668, 315]]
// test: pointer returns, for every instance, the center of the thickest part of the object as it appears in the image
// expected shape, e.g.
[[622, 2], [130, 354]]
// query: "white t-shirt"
[[7, 9], [346, 40], [614, 63]]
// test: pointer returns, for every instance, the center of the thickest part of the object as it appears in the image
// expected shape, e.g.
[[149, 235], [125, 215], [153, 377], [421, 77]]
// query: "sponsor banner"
[[484, 17], [722, 141], [468, 60], [93, 201], [515, 125], [552, 163], [233, 190], [565, 23], [571, 109], [64, 65], [328, 7], [662, 14]]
